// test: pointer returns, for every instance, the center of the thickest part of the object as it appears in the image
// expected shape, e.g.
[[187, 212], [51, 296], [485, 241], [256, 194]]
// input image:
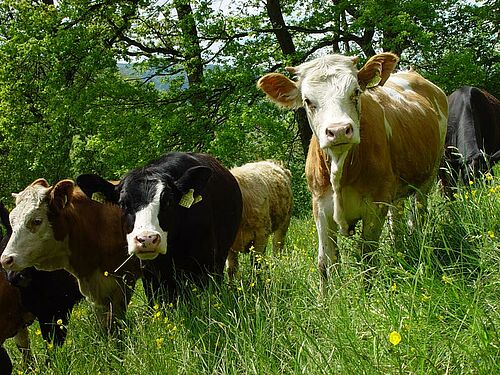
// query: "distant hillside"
[[129, 72]]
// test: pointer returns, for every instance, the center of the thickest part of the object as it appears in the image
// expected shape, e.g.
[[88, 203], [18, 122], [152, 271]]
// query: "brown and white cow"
[[377, 138], [266, 190], [59, 227]]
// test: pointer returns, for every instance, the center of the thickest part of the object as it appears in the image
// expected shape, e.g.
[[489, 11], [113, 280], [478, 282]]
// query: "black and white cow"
[[183, 211], [472, 143]]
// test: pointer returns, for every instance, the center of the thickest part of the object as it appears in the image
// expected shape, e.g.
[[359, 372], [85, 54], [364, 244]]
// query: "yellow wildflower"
[[38, 332], [59, 322], [394, 338], [159, 342], [491, 234], [394, 287], [446, 279], [106, 273]]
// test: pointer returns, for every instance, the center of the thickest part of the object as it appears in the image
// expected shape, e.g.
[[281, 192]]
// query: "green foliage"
[[65, 109]]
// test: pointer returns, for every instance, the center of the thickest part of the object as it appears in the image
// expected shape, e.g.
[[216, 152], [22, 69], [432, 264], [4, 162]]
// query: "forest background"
[[105, 86]]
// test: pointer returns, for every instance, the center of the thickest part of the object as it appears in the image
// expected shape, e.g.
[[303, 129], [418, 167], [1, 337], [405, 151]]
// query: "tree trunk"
[[191, 49], [288, 48]]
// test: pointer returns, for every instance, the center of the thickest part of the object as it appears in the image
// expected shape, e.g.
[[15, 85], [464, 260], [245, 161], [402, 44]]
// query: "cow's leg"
[[279, 237], [5, 362], [232, 264], [259, 250], [373, 223], [51, 331], [22, 340], [418, 211], [395, 218], [328, 254]]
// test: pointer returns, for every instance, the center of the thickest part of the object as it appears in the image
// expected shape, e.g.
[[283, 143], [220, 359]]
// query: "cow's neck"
[[337, 163], [93, 244]]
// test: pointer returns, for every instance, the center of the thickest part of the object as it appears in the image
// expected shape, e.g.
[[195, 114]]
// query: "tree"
[[67, 110]]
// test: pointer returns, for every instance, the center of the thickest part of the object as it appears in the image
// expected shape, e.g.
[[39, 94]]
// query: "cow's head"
[[32, 236], [151, 202], [329, 88]]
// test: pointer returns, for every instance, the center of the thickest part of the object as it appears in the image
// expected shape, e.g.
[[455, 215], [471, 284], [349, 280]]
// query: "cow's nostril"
[[8, 261], [146, 240], [349, 131]]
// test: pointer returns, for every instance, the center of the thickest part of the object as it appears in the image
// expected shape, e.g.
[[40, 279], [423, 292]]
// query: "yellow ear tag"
[[98, 197], [374, 81], [187, 199], [197, 199]]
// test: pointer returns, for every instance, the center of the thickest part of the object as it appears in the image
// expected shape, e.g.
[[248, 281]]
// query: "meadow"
[[433, 308]]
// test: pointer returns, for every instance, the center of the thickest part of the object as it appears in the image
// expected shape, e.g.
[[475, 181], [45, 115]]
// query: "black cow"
[[472, 143], [49, 296], [183, 211]]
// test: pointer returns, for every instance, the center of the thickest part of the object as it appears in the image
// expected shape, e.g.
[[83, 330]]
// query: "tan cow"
[[377, 138], [59, 227], [267, 208]]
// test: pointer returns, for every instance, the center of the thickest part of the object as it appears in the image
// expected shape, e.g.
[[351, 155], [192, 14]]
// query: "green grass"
[[439, 289]]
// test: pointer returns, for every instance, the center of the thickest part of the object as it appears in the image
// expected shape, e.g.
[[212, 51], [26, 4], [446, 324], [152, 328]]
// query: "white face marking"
[[147, 238], [328, 87], [32, 242]]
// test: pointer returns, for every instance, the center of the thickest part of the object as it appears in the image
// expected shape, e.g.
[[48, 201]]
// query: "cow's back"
[[403, 126], [267, 199]]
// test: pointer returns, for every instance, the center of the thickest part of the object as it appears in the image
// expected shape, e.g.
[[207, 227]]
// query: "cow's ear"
[[280, 89], [60, 194], [41, 181], [195, 178], [377, 70], [4, 218], [91, 184]]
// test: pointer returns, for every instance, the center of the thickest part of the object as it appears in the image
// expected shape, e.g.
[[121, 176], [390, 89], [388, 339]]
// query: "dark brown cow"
[[13, 322], [59, 227]]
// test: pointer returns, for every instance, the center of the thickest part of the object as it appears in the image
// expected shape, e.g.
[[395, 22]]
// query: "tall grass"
[[439, 289]]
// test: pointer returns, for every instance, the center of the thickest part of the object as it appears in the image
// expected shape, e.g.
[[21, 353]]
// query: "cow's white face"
[[329, 89], [32, 242], [147, 239], [330, 93]]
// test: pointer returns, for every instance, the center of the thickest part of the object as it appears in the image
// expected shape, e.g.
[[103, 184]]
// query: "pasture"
[[433, 308]]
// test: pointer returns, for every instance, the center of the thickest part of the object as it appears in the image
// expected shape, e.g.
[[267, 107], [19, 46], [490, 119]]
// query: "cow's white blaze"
[[147, 225], [32, 234]]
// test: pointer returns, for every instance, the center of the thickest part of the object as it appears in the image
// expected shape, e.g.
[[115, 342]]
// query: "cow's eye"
[[309, 105], [356, 94], [36, 222]]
